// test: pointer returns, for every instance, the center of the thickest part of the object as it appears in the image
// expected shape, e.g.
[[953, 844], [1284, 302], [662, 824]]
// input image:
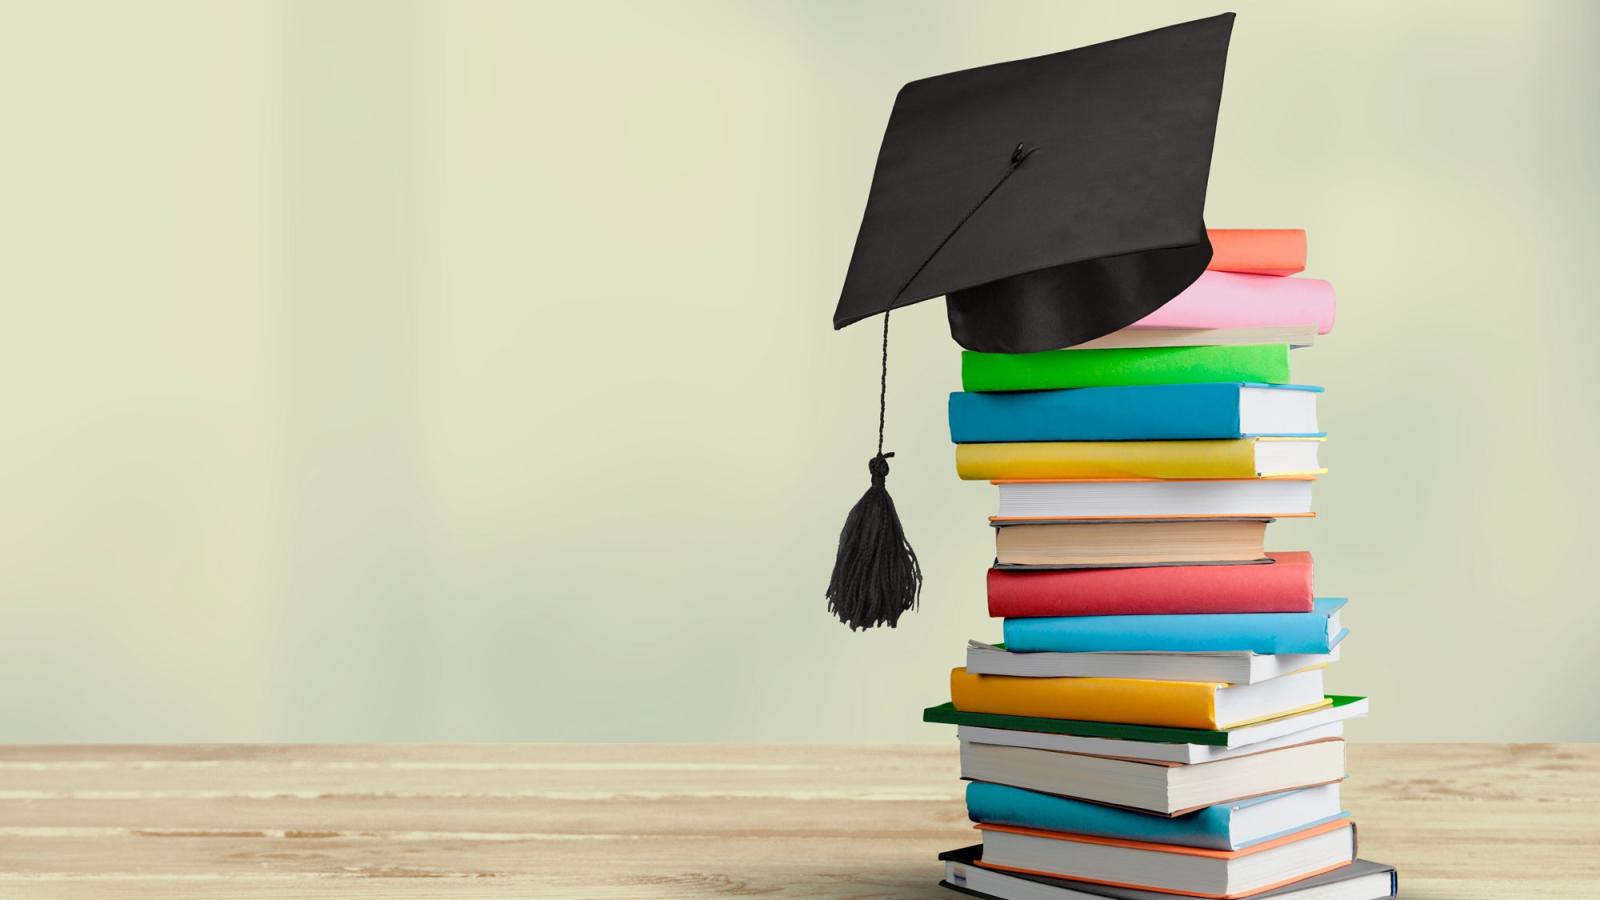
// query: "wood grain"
[[681, 820]]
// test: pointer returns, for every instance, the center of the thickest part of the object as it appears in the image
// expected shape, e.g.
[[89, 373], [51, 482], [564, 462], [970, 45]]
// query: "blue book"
[[1317, 631], [1226, 826], [1144, 413]]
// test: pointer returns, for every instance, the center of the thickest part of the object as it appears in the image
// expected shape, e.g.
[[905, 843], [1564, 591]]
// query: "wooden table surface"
[[681, 820]]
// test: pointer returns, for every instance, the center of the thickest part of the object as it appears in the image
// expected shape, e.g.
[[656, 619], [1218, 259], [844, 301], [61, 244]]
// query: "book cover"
[[1093, 543], [1176, 704], [1339, 705], [1232, 667], [1138, 413], [1317, 631], [1230, 300], [1051, 369], [1283, 586], [1212, 826], [1219, 855], [1156, 751], [1258, 251], [1132, 701], [964, 875], [1066, 460], [1164, 498], [1296, 336]]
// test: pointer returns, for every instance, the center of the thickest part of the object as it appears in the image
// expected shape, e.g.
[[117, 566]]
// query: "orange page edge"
[[1302, 834]]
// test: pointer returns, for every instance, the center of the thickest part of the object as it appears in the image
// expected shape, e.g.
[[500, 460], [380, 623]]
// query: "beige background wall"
[[463, 371]]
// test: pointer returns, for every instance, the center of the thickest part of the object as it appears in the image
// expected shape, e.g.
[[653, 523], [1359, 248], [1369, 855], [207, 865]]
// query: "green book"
[[1052, 369], [947, 714]]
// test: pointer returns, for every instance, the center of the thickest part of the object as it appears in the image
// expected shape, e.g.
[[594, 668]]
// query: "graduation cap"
[[1051, 201]]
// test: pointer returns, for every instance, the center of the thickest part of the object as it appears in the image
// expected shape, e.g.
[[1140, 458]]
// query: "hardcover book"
[[1258, 251], [1145, 413], [964, 874], [1129, 542], [1166, 789], [1060, 460], [1318, 631], [1283, 586], [1334, 708], [1228, 667], [1296, 336], [1050, 369], [1190, 871], [1177, 704], [1228, 300], [1187, 754], [1152, 498], [1224, 826]]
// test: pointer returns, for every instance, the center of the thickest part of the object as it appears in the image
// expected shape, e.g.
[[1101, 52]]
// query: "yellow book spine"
[[1128, 701], [1107, 459]]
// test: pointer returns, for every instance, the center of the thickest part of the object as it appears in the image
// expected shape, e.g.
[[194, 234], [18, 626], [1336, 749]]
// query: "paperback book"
[[1318, 631]]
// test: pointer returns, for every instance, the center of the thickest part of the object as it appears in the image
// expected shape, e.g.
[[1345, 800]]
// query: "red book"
[[1282, 586]]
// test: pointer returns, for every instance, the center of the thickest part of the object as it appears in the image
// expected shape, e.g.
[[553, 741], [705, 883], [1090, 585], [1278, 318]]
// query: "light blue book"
[[1317, 631], [1226, 826], [1142, 413]]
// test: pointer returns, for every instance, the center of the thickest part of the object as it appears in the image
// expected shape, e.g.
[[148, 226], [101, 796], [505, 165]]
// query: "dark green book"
[[947, 714], [1052, 369]]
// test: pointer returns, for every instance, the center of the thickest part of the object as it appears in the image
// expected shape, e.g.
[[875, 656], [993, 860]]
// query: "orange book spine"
[[1258, 251]]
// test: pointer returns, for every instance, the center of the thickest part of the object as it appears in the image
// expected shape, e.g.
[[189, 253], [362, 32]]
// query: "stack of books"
[[1155, 722]]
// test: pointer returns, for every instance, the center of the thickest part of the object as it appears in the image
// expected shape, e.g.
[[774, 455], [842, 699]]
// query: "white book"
[[1114, 499], [1186, 754], [1244, 703], [1164, 788], [1230, 668], [1361, 880], [1293, 335], [1163, 867]]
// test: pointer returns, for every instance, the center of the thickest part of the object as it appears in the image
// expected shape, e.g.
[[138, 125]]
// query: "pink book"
[[1232, 300]]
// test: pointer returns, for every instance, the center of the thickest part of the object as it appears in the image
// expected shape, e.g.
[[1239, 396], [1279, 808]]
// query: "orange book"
[[1258, 251], [1169, 868]]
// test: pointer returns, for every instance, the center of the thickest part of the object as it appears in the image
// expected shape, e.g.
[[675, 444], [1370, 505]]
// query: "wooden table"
[[618, 820]]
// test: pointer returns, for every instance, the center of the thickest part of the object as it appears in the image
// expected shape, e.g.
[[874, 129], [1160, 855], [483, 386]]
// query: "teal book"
[[1318, 631], [1226, 826], [1053, 369], [1152, 412]]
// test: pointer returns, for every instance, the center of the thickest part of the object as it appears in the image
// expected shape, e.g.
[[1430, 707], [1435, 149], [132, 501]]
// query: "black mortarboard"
[[1051, 200]]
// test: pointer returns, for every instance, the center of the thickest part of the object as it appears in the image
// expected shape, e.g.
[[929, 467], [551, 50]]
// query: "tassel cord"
[[876, 576], [883, 385]]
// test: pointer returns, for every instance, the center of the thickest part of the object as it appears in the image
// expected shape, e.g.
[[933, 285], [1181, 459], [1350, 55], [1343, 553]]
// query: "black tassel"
[[875, 574]]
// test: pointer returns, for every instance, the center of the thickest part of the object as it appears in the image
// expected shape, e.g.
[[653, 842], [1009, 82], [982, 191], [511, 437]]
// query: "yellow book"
[[1130, 701], [1068, 460]]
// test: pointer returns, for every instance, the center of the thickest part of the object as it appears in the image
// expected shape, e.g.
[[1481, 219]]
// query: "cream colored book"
[[1293, 335], [1130, 542], [1188, 871], [1166, 789]]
